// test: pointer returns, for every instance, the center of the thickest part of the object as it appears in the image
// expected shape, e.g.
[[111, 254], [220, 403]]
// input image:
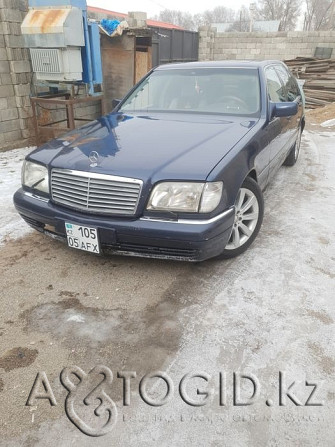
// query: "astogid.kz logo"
[[105, 407], [89, 407]]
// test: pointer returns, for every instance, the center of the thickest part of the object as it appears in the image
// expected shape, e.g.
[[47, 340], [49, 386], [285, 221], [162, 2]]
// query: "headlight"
[[35, 176], [185, 197]]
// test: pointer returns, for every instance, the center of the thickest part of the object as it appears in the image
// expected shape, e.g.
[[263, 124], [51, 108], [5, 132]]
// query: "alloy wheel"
[[246, 218]]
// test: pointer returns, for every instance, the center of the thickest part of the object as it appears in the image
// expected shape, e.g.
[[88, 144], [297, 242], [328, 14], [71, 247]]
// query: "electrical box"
[[51, 64], [55, 38], [64, 44]]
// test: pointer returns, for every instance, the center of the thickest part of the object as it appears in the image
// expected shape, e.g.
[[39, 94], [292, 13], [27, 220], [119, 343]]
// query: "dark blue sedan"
[[177, 170]]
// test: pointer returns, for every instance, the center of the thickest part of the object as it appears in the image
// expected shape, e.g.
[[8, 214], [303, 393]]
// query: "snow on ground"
[[328, 123], [11, 224]]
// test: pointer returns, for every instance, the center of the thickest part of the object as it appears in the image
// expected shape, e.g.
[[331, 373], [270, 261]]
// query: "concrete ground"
[[270, 311]]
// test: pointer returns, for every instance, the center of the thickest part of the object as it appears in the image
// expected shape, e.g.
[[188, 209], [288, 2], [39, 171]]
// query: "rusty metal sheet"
[[53, 27], [45, 21]]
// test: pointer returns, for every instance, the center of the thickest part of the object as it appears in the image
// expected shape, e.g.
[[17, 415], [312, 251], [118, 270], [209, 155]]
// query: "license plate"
[[82, 237]]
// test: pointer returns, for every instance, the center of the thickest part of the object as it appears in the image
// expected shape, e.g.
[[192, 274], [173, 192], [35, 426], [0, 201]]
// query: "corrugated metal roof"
[[107, 12], [266, 25], [159, 24]]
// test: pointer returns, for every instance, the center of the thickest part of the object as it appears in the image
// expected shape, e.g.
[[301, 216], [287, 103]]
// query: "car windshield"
[[227, 91]]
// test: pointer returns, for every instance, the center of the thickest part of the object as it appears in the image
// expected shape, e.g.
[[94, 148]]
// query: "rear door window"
[[290, 84]]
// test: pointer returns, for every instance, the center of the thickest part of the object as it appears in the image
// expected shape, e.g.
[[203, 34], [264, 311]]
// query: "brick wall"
[[281, 45], [15, 76]]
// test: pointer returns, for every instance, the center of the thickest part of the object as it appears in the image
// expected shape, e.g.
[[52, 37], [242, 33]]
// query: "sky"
[[153, 7]]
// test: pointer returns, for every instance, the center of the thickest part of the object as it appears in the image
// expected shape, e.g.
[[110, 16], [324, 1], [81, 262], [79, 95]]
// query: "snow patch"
[[77, 318], [328, 123], [11, 224]]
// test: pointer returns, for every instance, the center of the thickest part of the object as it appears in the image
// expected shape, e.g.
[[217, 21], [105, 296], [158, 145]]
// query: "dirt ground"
[[319, 115], [268, 312]]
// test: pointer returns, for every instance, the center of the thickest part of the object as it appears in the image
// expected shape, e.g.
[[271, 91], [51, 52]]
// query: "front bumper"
[[184, 240]]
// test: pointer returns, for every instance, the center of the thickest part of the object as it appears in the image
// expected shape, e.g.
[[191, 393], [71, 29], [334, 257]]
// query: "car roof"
[[219, 64]]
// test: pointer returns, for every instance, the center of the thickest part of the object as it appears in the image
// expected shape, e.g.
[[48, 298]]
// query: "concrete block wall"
[[280, 45], [15, 76]]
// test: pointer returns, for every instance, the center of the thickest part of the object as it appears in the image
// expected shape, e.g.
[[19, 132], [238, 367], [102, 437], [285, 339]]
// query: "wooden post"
[[71, 123]]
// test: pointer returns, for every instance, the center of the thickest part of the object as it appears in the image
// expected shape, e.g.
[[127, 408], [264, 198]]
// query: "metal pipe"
[[88, 53]]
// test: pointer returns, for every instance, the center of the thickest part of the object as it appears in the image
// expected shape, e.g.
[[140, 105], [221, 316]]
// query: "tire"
[[293, 155], [249, 203]]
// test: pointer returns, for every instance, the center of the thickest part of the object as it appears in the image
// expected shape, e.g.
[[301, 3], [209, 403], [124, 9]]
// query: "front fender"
[[237, 164]]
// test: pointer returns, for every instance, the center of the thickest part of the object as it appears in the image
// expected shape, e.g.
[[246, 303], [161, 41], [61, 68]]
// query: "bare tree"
[[198, 20], [242, 21], [287, 11], [192, 22], [220, 14], [179, 18], [319, 15]]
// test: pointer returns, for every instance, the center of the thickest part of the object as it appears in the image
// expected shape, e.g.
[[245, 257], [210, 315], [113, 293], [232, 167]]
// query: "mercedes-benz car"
[[176, 170]]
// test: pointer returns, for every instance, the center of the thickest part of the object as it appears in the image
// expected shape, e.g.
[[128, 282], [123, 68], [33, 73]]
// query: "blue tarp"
[[109, 25]]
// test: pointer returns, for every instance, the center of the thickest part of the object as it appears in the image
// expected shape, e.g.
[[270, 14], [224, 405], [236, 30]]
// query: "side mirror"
[[281, 109], [115, 102]]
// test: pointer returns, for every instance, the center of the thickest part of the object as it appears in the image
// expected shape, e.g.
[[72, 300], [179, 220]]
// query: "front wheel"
[[249, 211]]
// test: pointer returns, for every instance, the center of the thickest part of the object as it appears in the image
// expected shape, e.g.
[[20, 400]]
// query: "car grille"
[[95, 193]]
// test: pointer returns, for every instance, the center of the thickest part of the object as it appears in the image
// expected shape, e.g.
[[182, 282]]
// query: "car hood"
[[159, 146]]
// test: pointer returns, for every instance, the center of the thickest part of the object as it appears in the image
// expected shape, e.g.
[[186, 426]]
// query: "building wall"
[[15, 75], [281, 45], [118, 61]]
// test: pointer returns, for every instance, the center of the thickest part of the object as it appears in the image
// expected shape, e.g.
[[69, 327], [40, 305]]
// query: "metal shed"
[[174, 45], [125, 60]]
